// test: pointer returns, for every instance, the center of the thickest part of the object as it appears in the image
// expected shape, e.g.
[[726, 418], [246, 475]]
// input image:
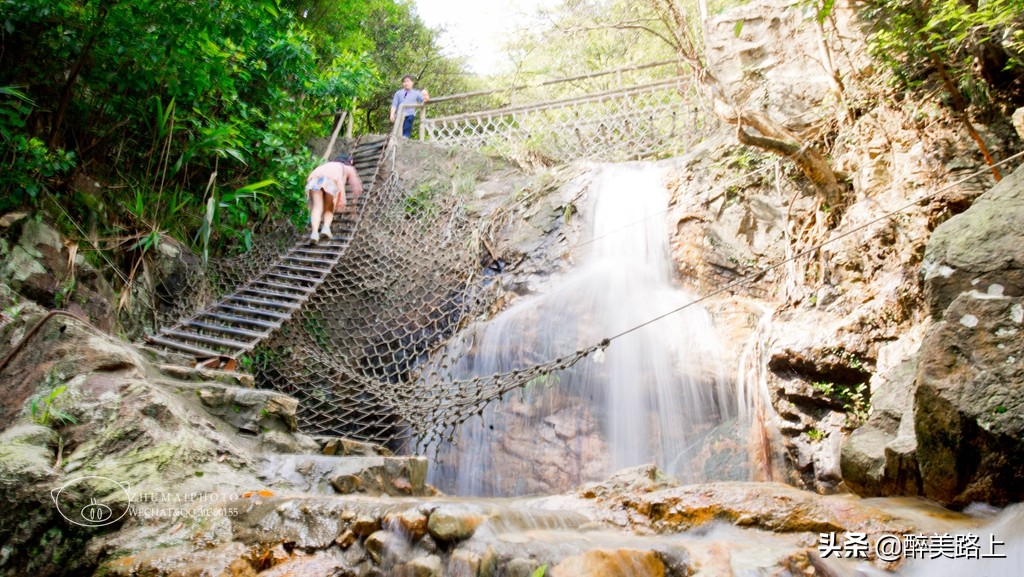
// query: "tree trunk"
[[960, 107], [771, 136], [65, 94]]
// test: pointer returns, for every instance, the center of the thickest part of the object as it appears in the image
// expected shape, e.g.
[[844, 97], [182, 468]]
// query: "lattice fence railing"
[[656, 119]]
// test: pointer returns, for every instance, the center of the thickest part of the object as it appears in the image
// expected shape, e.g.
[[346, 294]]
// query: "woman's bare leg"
[[329, 205], [316, 208]]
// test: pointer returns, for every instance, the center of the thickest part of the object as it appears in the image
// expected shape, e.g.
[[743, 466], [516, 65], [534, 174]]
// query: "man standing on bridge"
[[407, 95], [325, 191]]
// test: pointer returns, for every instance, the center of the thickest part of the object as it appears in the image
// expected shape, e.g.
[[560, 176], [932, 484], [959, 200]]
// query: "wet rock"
[[463, 563], [676, 561], [386, 548], [488, 562], [318, 563], [346, 539], [380, 475], [639, 479], [412, 523], [880, 458], [249, 410], [283, 442], [229, 559], [364, 525], [621, 562], [769, 506], [450, 524], [519, 568], [969, 403], [42, 268], [305, 468], [980, 249], [428, 566], [350, 448]]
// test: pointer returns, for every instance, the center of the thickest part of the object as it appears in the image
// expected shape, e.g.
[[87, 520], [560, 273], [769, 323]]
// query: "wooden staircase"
[[241, 320]]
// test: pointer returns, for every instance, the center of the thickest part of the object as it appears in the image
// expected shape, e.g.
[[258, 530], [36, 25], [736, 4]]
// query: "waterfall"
[[657, 395]]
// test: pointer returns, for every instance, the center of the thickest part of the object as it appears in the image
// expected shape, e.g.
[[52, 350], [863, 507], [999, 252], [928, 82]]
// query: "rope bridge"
[[350, 328], [598, 116]]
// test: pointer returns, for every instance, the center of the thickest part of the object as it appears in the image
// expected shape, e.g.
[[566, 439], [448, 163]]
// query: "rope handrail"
[[465, 95], [559, 103]]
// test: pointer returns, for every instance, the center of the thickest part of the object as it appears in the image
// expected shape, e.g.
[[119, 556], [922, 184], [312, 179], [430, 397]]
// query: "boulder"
[[768, 53], [44, 268], [880, 458], [620, 562], [980, 249], [969, 403], [450, 524]]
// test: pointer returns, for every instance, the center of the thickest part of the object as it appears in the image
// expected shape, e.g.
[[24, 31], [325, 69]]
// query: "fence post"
[[351, 116]]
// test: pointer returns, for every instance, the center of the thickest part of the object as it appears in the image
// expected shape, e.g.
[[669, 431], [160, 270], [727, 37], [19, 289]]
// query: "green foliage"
[[421, 203], [854, 400], [198, 114], [584, 36], [815, 435], [979, 42], [28, 164], [540, 571], [43, 408]]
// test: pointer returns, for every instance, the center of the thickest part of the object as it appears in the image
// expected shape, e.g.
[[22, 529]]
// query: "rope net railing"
[[599, 116], [362, 354], [638, 122], [358, 355]]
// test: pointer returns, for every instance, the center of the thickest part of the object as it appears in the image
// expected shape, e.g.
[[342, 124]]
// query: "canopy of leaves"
[[981, 42], [178, 100]]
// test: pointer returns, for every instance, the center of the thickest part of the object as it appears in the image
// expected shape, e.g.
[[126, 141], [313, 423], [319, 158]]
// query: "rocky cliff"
[[859, 339]]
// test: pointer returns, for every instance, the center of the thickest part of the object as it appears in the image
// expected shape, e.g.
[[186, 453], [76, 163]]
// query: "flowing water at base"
[[658, 394]]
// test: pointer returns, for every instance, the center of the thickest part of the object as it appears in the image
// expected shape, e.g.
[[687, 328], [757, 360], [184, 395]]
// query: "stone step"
[[327, 475], [251, 411]]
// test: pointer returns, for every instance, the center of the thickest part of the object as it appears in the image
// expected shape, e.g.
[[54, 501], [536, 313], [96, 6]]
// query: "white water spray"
[[658, 394]]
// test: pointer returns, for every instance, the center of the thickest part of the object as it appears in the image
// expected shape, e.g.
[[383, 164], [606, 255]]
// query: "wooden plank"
[[312, 260], [295, 278], [207, 339], [303, 289], [266, 293], [239, 320], [179, 346], [300, 269], [227, 330], [252, 311], [262, 302]]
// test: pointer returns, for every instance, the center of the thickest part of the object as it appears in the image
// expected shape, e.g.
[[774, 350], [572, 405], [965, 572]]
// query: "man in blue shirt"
[[407, 95]]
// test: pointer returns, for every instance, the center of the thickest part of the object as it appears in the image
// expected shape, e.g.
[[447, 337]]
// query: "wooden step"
[[311, 260], [318, 251], [263, 302], [240, 320], [198, 351], [185, 335], [296, 268], [228, 330], [252, 311], [303, 289], [273, 294], [293, 277]]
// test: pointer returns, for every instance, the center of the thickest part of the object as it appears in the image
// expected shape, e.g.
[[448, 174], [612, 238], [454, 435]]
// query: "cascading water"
[[656, 396]]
